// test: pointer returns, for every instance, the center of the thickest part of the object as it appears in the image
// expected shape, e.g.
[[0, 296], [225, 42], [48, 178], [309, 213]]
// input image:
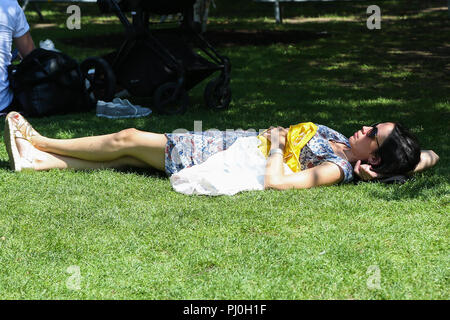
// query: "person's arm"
[[428, 159], [325, 174], [24, 44]]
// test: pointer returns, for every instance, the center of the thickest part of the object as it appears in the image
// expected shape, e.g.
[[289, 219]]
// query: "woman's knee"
[[125, 138]]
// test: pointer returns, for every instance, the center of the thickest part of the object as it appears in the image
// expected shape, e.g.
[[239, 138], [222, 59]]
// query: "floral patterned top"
[[319, 150], [185, 150]]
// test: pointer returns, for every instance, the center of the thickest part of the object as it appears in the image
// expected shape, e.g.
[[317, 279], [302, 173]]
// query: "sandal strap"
[[27, 160], [24, 127]]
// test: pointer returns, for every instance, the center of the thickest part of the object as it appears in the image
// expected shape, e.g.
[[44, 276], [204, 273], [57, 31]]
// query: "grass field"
[[126, 235]]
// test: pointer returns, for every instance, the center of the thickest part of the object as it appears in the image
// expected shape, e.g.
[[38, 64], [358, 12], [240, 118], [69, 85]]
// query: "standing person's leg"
[[144, 146]]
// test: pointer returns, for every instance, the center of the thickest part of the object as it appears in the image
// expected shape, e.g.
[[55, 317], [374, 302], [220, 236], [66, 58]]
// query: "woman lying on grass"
[[328, 157]]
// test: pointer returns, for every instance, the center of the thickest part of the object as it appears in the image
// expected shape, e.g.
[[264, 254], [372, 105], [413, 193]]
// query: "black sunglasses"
[[373, 133]]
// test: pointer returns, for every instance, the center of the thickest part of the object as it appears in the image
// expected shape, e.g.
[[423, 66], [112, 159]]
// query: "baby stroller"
[[161, 63]]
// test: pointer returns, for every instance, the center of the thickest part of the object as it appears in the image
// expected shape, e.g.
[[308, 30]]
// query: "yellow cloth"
[[298, 136]]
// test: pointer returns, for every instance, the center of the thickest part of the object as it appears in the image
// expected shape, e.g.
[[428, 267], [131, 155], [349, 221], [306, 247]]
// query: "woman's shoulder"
[[330, 134]]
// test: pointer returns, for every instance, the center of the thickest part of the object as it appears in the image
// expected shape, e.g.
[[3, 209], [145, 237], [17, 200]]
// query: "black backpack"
[[47, 83]]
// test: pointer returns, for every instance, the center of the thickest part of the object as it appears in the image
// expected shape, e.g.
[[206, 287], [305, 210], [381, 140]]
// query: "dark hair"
[[399, 153]]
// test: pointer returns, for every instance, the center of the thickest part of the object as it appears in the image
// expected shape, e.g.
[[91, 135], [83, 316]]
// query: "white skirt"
[[239, 168]]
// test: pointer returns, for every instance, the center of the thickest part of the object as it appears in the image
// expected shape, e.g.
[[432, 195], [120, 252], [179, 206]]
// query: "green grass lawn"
[[132, 237]]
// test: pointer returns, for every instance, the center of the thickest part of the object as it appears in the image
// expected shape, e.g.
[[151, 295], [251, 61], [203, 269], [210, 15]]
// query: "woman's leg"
[[45, 161], [146, 147], [54, 161]]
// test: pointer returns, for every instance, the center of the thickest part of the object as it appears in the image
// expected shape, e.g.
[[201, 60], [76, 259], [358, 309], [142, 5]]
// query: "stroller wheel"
[[99, 77], [217, 94], [167, 103]]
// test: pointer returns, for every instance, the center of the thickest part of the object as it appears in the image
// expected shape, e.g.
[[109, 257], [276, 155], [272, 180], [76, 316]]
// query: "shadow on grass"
[[223, 38], [4, 164], [150, 172], [422, 187]]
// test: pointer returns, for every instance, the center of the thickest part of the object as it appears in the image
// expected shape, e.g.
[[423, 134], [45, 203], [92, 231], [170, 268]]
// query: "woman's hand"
[[364, 171], [276, 136], [428, 159]]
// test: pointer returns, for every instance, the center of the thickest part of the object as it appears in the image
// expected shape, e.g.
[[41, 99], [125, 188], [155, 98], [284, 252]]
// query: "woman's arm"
[[325, 174]]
